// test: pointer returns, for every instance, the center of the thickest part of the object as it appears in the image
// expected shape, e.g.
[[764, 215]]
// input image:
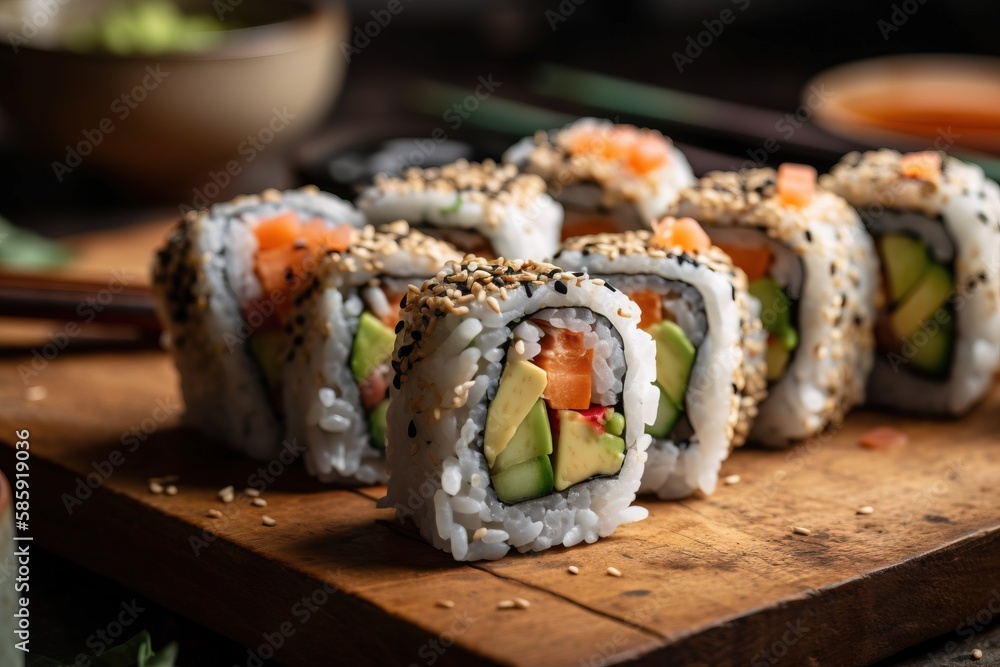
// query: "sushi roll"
[[709, 345], [608, 177], [813, 268], [224, 282], [342, 331], [482, 208], [936, 223], [518, 409]]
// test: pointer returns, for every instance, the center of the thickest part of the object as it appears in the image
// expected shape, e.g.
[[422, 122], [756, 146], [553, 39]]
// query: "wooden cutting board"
[[717, 581]]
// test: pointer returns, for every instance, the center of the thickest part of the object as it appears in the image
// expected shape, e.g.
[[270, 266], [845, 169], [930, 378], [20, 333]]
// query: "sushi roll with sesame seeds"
[[709, 345], [342, 330], [608, 177], [518, 409], [482, 208], [813, 268], [936, 223], [225, 281]]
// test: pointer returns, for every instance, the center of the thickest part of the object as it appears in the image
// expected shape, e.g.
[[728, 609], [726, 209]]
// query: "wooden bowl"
[[184, 116], [914, 102]]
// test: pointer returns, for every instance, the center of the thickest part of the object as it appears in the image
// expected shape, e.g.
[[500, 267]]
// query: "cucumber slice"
[[376, 424], [667, 415], [904, 260], [934, 356], [524, 481], [929, 294]]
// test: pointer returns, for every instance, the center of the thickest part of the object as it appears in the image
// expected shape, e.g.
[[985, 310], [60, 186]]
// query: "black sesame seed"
[[395, 381], [297, 341], [809, 236], [400, 325], [527, 289], [982, 217], [610, 287], [416, 336], [411, 430], [561, 287], [300, 319]]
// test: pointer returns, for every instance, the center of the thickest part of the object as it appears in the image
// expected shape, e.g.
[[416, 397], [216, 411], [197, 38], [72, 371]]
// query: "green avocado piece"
[[777, 360], [904, 260], [934, 356], [524, 481], [582, 452], [521, 385], [372, 346], [674, 359], [532, 438], [666, 416], [376, 424], [930, 292], [267, 349], [775, 311], [615, 424]]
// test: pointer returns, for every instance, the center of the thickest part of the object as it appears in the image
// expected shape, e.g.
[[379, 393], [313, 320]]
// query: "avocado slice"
[[376, 424], [372, 346], [930, 292], [777, 360], [521, 385], [266, 348], [904, 260], [582, 452], [615, 424], [532, 438], [774, 301], [934, 357], [666, 416], [524, 481], [674, 359]]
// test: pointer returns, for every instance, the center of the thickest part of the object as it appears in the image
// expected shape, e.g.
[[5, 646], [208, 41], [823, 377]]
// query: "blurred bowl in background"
[[914, 102], [167, 123]]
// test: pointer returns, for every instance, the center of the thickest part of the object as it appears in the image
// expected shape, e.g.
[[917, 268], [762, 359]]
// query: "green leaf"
[[23, 249], [455, 206], [128, 654]]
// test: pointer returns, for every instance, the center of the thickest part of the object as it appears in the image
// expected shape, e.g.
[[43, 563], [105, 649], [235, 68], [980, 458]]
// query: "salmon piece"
[[883, 437], [925, 165], [373, 390], [589, 226], [278, 232], [796, 184], [647, 154], [568, 365], [754, 260], [318, 236], [650, 304], [684, 234]]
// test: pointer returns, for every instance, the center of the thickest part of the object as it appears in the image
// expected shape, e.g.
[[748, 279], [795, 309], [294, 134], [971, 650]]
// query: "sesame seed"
[[799, 530], [445, 604], [614, 572], [493, 304], [573, 569], [227, 494], [505, 604], [253, 493], [259, 502], [977, 654], [867, 509], [215, 514], [521, 603], [171, 490], [268, 521], [155, 487], [732, 479], [36, 393], [479, 534], [519, 347]]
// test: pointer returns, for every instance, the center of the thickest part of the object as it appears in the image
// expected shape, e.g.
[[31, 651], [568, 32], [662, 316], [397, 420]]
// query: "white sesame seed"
[[614, 572], [732, 479], [867, 509], [521, 603], [226, 494], [259, 502], [215, 514], [268, 521], [977, 654], [445, 604], [573, 569], [799, 530], [253, 493], [505, 604], [479, 534], [171, 490], [36, 393], [155, 487]]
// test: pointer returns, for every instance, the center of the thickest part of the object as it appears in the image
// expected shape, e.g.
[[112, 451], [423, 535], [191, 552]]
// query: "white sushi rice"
[[212, 257], [439, 477]]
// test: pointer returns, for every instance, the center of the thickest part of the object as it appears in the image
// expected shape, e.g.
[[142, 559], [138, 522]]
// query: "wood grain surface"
[[717, 581]]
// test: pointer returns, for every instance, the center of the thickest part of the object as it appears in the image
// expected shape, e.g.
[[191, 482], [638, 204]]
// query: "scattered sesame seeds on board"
[[614, 572], [445, 604], [865, 509], [573, 569], [155, 487], [799, 530], [170, 490], [977, 654], [505, 604], [268, 521], [253, 493], [215, 514], [521, 603], [227, 494], [259, 502], [732, 479]]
